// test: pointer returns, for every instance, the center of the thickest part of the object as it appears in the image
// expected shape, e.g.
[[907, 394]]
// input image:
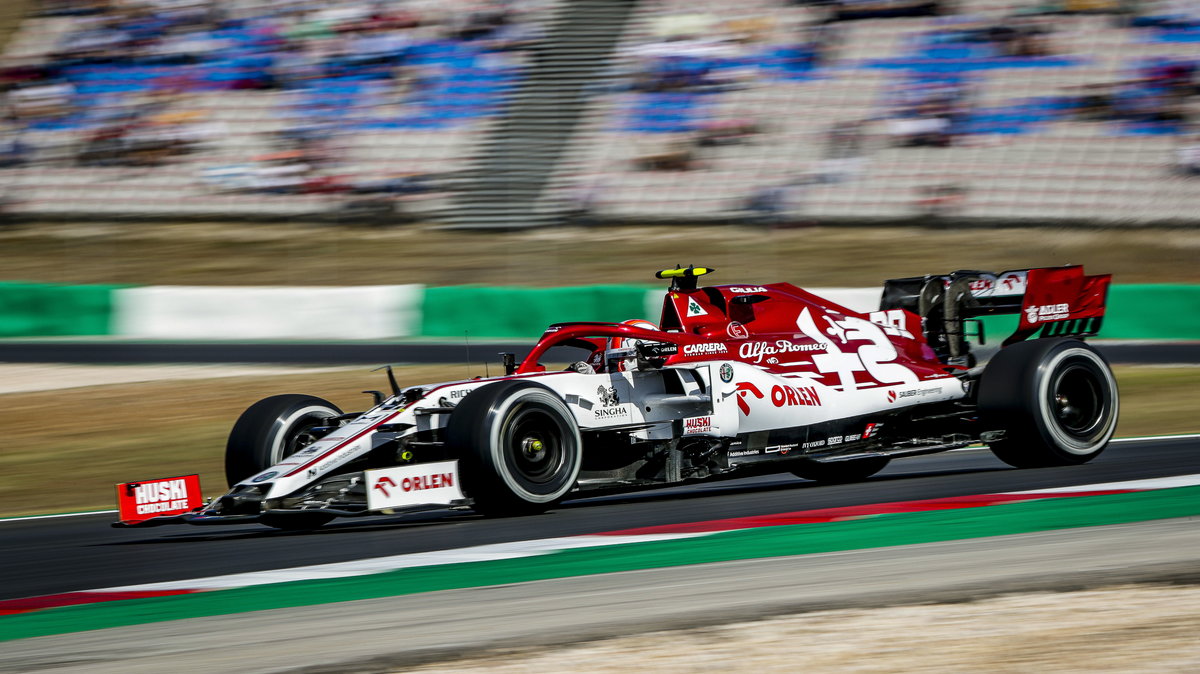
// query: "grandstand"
[[761, 110]]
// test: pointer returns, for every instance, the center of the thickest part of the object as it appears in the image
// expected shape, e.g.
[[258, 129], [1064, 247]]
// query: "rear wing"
[[1051, 302]]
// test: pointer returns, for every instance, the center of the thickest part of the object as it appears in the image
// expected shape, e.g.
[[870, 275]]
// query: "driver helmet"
[[624, 343]]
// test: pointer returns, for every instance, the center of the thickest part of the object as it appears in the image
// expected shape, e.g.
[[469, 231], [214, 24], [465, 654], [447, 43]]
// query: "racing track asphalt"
[[358, 353], [47, 556]]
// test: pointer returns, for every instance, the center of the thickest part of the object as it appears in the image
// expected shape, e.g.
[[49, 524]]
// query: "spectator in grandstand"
[[939, 201], [714, 132], [13, 152], [1093, 103], [928, 111], [848, 10], [774, 205], [1168, 14], [1187, 157], [824, 37], [678, 155], [843, 158], [42, 99]]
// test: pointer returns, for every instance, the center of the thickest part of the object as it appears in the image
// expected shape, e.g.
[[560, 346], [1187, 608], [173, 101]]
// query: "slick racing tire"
[[1056, 401], [519, 445], [838, 472], [271, 429]]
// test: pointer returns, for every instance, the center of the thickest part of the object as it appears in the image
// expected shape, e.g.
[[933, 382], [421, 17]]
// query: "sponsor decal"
[[914, 393], [983, 286], [332, 462], [988, 285], [611, 407], [460, 393], [745, 388], [611, 413], [1010, 283], [704, 349], [876, 357], [758, 350], [813, 443], [264, 477], [747, 289], [608, 396], [892, 322], [726, 373], [871, 430], [853, 438], [138, 501], [1047, 312], [697, 425], [694, 308], [743, 452], [737, 330], [794, 396], [657, 351], [780, 449], [421, 484]]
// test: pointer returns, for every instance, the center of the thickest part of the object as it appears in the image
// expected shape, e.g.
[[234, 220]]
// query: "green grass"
[[267, 254], [11, 14]]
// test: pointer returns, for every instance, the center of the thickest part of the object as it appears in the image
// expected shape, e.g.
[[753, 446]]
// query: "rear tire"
[[520, 447], [271, 429], [840, 472], [1056, 400]]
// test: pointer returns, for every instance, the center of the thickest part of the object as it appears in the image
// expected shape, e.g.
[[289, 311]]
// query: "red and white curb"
[[534, 548]]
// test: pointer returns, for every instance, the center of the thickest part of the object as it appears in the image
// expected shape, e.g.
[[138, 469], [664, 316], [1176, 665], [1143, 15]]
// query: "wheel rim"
[[1077, 400], [533, 447], [296, 433], [301, 438]]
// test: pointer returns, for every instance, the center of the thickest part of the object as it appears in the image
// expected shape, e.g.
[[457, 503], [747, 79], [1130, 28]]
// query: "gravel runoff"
[[1121, 629]]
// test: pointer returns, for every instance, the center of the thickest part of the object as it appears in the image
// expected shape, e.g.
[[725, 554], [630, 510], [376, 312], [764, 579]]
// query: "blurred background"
[[336, 171], [507, 114]]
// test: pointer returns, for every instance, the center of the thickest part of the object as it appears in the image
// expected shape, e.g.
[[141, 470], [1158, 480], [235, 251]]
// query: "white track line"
[[1136, 485], [362, 567]]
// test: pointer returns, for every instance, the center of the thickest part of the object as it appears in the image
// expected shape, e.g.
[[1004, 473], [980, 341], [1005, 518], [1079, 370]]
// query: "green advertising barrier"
[[49, 310], [1152, 311], [478, 311], [1147, 311]]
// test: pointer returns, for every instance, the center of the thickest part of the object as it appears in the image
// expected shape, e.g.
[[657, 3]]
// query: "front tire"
[[1056, 400], [272, 429], [520, 447]]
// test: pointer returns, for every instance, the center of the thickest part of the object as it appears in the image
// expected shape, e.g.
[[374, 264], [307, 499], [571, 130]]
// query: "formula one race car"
[[734, 380]]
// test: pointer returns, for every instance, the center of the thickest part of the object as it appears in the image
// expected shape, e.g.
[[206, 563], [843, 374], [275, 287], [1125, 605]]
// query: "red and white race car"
[[734, 380]]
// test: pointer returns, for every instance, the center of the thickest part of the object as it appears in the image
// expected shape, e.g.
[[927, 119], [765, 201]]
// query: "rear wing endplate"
[[1051, 302]]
